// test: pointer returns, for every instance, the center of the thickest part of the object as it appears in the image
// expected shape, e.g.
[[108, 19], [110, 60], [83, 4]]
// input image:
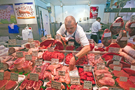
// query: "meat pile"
[[80, 61], [76, 87], [47, 56], [35, 43]]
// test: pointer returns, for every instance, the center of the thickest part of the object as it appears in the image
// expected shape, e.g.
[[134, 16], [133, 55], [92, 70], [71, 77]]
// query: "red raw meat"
[[59, 45], [10, 85], [125, 85], [27, 66], [99, 49], [107, 81], [23, 85], [76, 87], [19, 62], [7, 75], [37, 85], [70, 48], [116, 29], [79, 48], [115, 45], [12, 68], [46, 42], [132, 79], [126, 26], [131, 29], [2, 84], [112, 66], [104, 88], [106, 40], [129, 71], [30, 85], [120, 73]]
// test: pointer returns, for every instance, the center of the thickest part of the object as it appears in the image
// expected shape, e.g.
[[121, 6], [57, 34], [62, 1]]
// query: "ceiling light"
[[89, 3], [61, 4]]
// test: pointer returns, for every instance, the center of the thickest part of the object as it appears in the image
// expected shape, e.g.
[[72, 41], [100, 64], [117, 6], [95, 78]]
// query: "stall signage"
[[56, 85], [116, 62], [19, 54], [50, 49], [14, 76], [107, 35], [113, 88], [124, 39], [116, 68], [87, 85], [34, 77], [1, 75], [61, 73], [30, 39], [132, 89], [12, 41], [32, 45], [133, 67], [97, 57], [43, 38], [70, 43], [74, 73], [113, 50], [54, 61], [28, 57], [100, 66], [35, 53], [117, 24], [123, 79], [87, 68], [38, 69], [132, 25], [75, 80], [117, 58]]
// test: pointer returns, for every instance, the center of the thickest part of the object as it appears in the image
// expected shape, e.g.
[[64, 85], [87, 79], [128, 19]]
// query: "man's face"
[[99, 20], [71, 27]]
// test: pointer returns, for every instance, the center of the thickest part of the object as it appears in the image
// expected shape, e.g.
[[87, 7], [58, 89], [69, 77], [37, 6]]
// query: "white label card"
[[132, 25], [35, 53], [97, 57], [38, 69], [50, 49], [30, 39], [38, 62], [19, 54], [14, 76], [74, 73], [123, 79], [100, 66], [28, 57], [87, 68], [61, 73], [124, 39], [12, 41], [32, 45], [133, 67], [107, 34], [116, 68], [34, 77], [113, 50], [58, 37], [117, 24], [43, 38], [117, 58], [116, 62], [54, 61], [132, 89], [56, 85], [75, 80], [1, 75], [113, 88], [70, 43], [87, 85], [1, 65], [49, 36], [100, 76]]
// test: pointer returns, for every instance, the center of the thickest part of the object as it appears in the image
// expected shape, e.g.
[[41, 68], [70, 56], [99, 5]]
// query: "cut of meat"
[[46, 42], [30, 85], [19, 62], [27, 66], [104, 88], [7, 75], [59, 45], [132, 79], [37, 85], [131, 28], [129, 71], [116, 26], [2, 84], [115, 45], [120, 73], [12, 68], [70, 48], [23, 85], [11, 85], [79, 48], [107, 81], [125, 85], [112, 66]]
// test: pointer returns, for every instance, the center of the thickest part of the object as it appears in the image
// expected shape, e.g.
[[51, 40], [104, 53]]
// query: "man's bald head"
[[69, 20]]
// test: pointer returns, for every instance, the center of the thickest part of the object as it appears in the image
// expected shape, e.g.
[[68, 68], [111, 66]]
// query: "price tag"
[[97, 57], [19, 54], [38, 69], [1, 75], [35, 53], [113, 50], [100, 76], [56, 85], [50, 49], [61, 73], [107, 34], [5, 66], [133, 67], [12, 41], [132, 89], [75, 80], [58, 37], [39, 62], [87, 68], [100, 66], [116, 62], [123, 79], [113, 88], [28, 57], [32, 45], [124, 39], [34, 77], [30, 39], [74, 73], [14, 76], [1, 65], [43, 38], [70, 43], [54, 61], [117, 24], [87, 85], [49, 36], [132, 25], [116, 68], [117, 58]]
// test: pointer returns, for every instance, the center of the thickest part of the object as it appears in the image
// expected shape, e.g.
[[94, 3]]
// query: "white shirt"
[[80, 36], [27, 33], [95, 27]]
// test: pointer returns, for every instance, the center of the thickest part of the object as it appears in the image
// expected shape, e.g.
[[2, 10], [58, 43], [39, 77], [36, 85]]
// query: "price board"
[[117, 24], [38, 69], [132, 67], [50, 49]]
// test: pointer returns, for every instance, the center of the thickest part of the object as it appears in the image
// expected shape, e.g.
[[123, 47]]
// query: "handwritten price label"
[[28, 57], [56, 85], [12, 41], [132, 89], [70, 43], [1, 75], [116, 62], [133, 67], [19, 54], [113, 50], [107, 35], [100, 66], [50, 49], [117, 58], [43, 38], [58, 37], [132, 25], [87, 84], [61, 73], [75, 80], [38, 69], [116, 68], [74, 73], [32, 45], [30, 39], [35, 53], [54, 61], [34, 77], [113, 88], [14, 76], [124, 39], [87, 68], [117, 24], [123, 79], [97, 57]]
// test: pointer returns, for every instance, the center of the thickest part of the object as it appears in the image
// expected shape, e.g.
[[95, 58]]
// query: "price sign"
[[133, 67], [116, 68], [49, 36], [35, 53], [39, 62], [87, 85], [132, 25], [30, 39], [124, 39], [113, 50], [75, 80], [12, 41], [116, 62], [19, 54], [97, 57], [5, 66], [100, 66], [54, 61], [1, 65], [74, 73], [113, 88], [87, 68], [14, 76], [58, 37], [117, 24], [117, 58], [1, 75], [28, 57], [100, 76], [50, 49], [70, 43], [123, 79], [107, 34], [61, 73], [38, 69], [56, 85], [32, 45], [43, 38], [132, 89], [34, 77]]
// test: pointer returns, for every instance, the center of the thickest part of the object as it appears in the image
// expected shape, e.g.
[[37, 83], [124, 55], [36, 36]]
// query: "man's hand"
[[63, 39], [72, 63]]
